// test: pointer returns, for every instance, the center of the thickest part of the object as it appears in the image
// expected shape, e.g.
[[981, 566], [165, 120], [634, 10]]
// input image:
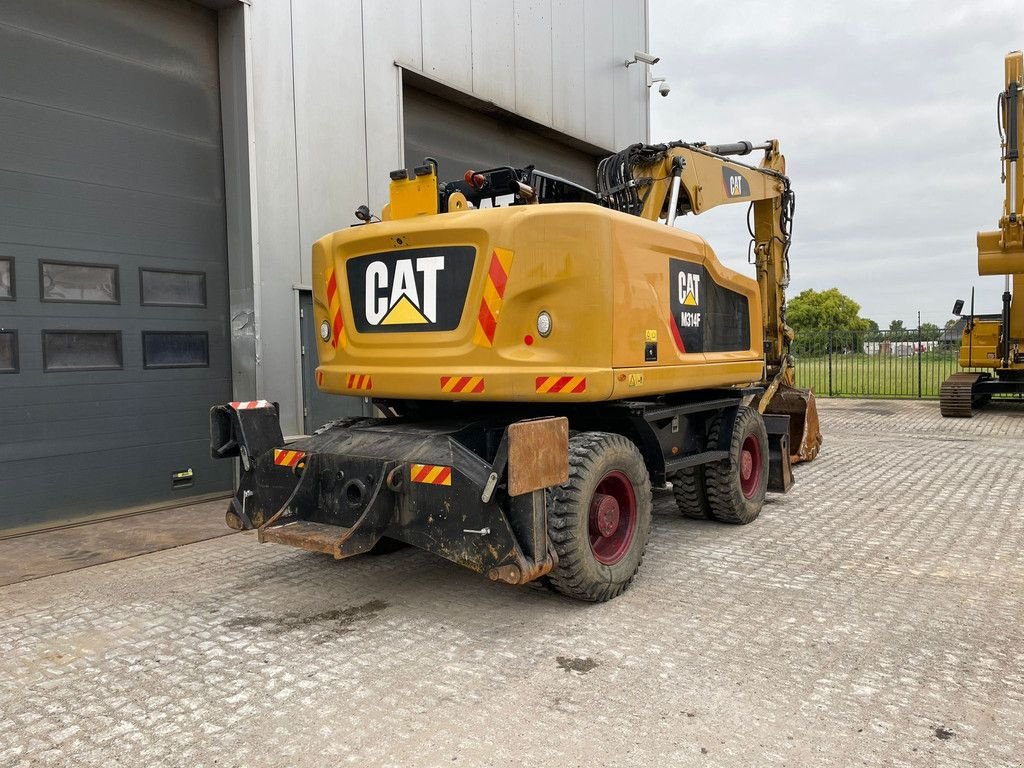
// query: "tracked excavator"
[[993, 342], [541, 355]]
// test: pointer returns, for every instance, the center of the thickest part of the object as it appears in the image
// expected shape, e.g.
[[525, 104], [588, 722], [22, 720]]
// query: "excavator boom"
[[663, 181]]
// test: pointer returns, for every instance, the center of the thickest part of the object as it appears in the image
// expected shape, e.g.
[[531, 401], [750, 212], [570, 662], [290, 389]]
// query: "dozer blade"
[[804, 429]]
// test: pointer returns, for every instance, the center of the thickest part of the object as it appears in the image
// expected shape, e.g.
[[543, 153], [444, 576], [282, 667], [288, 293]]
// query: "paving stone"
[[870, 617]]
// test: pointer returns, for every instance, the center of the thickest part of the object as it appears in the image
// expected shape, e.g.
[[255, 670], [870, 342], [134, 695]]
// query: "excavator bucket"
[[804, 429], [996, 257]]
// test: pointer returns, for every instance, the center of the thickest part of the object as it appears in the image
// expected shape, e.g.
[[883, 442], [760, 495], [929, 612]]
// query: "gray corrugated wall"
[[111, 154]]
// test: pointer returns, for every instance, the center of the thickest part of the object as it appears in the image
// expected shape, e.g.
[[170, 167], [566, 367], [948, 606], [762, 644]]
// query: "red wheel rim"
[[751, 466], [612, 522]]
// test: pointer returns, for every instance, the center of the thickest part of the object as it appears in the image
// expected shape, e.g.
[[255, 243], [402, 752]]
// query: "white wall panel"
[[533, 59], [494, 52], [234, 45], [393, 32], [330, 127], [277, 205], [568, 67], [630, 35], [399, 23], [600, 60], [447, 42]]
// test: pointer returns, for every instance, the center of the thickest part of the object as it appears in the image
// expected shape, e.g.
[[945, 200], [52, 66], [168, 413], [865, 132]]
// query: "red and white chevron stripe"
[[245, 405]]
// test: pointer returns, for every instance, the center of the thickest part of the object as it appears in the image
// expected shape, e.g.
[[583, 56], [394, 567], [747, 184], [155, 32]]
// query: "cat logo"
[[687, 299], [735, 183], [406, 297], [414, 289], [689, 289]]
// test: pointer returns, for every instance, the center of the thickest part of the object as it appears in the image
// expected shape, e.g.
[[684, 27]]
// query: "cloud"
[[886, 114]]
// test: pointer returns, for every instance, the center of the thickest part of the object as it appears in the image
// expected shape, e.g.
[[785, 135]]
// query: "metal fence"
[[885, 364]]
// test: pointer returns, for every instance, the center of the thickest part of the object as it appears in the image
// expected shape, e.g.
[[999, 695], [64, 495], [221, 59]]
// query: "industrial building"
[[166, 166]]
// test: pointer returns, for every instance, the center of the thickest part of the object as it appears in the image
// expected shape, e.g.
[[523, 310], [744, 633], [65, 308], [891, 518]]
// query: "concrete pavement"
[[870, 617]]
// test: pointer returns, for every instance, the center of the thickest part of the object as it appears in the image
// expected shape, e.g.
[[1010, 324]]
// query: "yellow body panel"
[[979, 348], [603, 276], [413, 196]]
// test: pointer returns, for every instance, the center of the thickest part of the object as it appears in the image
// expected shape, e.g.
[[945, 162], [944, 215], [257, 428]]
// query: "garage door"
[[113, 292], [460, 138]]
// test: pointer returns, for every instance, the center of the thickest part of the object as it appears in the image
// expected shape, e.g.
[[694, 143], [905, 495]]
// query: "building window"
[[169, 288], [6, 277], [8, 351], [86, 283], [175, 349], [82, 350]]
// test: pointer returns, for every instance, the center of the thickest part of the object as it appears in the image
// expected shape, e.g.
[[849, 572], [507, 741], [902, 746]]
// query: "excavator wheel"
[[690, 491], [600, 520], [736, 486]]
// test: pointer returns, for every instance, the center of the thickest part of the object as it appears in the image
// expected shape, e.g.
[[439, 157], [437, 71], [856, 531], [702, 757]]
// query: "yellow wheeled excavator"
[[994, 341], [542, 354]]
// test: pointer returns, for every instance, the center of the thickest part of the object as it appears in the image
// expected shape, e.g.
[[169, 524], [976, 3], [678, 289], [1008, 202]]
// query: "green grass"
[[860, 375]]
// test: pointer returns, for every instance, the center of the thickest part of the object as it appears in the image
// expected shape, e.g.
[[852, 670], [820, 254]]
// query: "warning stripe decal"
[[359, 381], [675, 334], [286, 458], [334, 309], [494, 295], [431, 474], [471, 385], [567, 385], [245, 405]]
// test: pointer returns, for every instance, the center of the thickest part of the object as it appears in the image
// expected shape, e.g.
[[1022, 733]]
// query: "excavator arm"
[[663, 181], [1002, 252]]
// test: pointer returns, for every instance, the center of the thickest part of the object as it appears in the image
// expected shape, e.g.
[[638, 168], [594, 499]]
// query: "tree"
[[871, 330], [897, 331], [820, 310], [930, 332]]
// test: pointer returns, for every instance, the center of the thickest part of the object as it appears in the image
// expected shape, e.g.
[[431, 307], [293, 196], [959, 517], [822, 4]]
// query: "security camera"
[[644, 57], [663, 87]]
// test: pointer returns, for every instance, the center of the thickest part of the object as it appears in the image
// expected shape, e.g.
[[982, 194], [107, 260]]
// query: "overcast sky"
[[886, 115]]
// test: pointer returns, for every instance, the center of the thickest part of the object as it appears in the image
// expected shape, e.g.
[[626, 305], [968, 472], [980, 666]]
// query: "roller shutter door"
[[460, 138], [113, 276]]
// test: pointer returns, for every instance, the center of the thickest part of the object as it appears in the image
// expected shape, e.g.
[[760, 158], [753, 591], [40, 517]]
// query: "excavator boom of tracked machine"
[[663, 181], [996, 342]]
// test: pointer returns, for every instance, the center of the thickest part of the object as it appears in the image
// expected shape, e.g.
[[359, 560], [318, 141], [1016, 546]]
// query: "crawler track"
[[956, 397]]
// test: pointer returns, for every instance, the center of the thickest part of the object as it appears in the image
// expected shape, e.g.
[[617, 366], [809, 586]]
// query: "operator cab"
[[523, 185]]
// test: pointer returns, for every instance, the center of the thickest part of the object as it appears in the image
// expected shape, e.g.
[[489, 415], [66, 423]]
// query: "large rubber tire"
[[600, 520], [736, 486], [690, 490]]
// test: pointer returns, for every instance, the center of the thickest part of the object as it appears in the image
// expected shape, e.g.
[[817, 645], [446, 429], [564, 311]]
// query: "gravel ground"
[[870, 617]]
